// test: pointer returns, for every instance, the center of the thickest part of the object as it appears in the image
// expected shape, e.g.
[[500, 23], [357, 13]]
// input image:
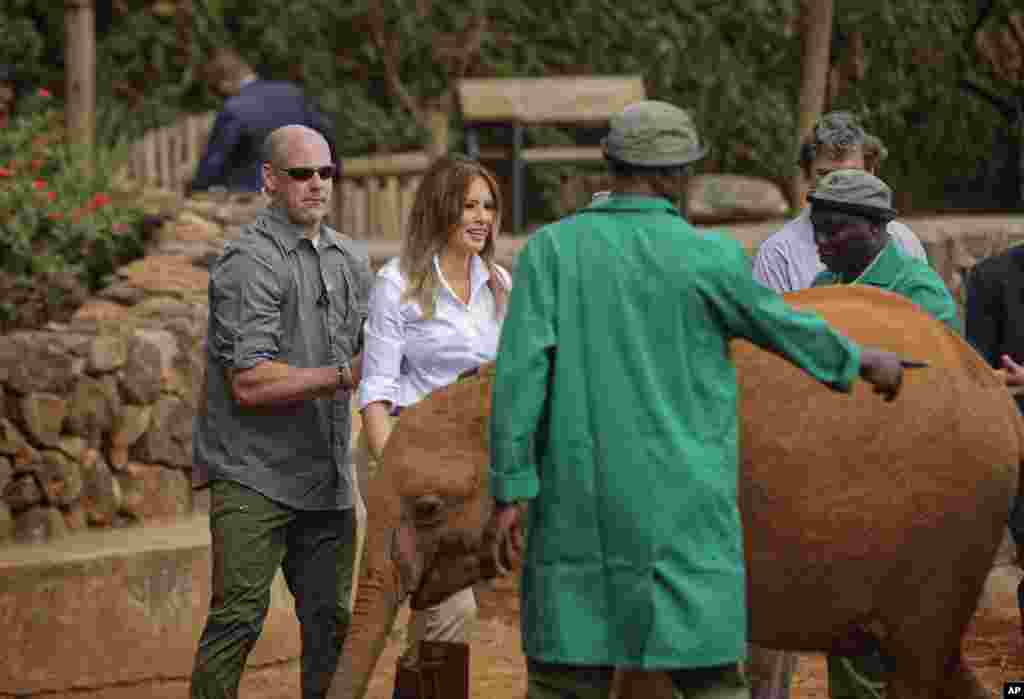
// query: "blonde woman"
[[435, 312]]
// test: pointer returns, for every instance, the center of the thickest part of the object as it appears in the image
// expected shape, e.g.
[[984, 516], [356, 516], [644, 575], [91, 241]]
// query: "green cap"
[[854, 192], [653, 134]]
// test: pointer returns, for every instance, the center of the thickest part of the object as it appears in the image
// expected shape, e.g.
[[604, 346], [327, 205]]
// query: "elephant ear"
[[440, 445]]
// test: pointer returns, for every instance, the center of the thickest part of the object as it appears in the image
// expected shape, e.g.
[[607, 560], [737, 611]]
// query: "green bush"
[[58, 217]]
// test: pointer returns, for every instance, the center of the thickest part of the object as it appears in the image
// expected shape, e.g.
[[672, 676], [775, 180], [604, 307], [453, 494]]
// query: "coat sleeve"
[[524, 363], [984, 314], [761, 316]]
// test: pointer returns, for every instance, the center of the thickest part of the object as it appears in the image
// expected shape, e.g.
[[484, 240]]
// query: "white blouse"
[[406, 357]]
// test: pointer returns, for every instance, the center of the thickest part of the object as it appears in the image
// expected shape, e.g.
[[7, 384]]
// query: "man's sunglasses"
[[301, 174]]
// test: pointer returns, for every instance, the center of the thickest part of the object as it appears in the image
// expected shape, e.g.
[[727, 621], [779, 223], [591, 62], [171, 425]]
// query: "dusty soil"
[[994, 648]]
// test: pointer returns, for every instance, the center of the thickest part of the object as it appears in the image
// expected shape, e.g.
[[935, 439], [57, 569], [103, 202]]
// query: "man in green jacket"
[[614, 414], [849, 212]]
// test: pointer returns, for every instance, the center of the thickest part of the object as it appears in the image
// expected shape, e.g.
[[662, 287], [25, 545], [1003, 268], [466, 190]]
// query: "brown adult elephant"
[[866, 522]]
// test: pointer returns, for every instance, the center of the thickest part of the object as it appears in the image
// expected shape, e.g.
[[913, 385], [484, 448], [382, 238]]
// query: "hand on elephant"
[[884, 370], [507, 546], [1013, 373]]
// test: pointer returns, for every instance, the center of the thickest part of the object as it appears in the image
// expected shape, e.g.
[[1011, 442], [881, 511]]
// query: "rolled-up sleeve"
[[245, 304], [384, 340]]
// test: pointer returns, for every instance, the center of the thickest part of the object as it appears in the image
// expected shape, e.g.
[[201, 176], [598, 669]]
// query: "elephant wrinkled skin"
[[866, 522]]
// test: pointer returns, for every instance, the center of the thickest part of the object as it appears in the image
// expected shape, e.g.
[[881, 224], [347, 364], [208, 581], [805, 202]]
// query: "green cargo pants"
[[553, 681], [253, 536]]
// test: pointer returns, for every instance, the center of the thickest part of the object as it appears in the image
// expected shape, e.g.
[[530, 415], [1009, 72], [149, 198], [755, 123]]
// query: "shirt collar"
[[479, 274], [289, 234]]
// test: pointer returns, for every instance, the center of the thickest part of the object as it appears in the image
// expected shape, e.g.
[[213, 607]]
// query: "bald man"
[[271, 437]]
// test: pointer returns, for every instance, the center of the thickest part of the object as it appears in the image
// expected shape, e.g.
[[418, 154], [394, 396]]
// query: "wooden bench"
[[556, 101]]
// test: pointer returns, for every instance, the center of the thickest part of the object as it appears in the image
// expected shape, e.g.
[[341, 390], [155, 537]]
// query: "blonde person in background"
[[435, 313]]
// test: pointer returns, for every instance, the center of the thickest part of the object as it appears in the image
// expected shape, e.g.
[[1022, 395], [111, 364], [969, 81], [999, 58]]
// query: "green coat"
[[907, 276], [614, 411]]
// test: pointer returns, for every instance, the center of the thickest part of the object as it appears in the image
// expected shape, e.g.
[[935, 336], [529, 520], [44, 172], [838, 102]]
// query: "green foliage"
[[735, 64], [58, 216]]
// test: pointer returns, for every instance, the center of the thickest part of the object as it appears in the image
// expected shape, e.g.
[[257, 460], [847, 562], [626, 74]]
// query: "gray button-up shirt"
[[274, 296]]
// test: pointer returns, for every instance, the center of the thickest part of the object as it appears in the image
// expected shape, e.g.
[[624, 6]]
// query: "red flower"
[[51, 195], [55, 215], [99, 201], [6, 172], [43, 92], [36, 164], [39, 185]]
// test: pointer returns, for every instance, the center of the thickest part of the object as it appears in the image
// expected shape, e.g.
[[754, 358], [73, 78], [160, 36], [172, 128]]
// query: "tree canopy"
[[375, 66]]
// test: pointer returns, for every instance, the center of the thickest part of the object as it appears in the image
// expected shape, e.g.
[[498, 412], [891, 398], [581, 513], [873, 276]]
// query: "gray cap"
[[854, 192], [653, 134]]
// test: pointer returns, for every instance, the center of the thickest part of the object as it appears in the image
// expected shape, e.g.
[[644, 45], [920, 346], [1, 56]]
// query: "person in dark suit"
[[994, 318], [253, 108]]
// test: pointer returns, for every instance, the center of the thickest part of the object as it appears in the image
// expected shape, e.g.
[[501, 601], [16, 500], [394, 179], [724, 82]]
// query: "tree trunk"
[[815, 38], [80, 71]]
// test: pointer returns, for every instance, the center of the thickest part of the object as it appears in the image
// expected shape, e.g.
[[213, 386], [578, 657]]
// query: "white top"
[[788, 260], [406, 357]]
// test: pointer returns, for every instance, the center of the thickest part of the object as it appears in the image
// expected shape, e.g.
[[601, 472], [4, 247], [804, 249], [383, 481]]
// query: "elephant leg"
[[770, 672]]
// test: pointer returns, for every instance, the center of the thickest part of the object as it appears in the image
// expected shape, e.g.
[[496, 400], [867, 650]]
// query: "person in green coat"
[[849, 212], [614, 415]]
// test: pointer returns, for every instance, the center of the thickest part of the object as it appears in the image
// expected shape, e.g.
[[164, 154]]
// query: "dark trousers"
[[252, 537], [556, 681]]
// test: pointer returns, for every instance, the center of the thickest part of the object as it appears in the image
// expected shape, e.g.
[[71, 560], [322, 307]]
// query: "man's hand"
[[1012, 371], [507, 547], [884, 370]]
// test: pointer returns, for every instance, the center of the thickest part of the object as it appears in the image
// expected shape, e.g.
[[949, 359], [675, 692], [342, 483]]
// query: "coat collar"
[[614, 203], [883, 271]]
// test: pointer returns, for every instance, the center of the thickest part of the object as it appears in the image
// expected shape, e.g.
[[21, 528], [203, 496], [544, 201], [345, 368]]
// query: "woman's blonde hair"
[[436, 211]]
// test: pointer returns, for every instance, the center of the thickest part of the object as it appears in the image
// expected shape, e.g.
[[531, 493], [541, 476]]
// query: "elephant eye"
[[428, 509]]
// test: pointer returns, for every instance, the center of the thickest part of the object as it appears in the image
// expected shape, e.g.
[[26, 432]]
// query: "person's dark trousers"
[[557, 681], [253, 536], [1016, 524]]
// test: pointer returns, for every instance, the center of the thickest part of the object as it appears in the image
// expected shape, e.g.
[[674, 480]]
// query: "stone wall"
[[96, 414]]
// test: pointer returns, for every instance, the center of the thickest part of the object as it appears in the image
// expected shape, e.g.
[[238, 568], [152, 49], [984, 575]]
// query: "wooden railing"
[[372, 200], [167, 157]]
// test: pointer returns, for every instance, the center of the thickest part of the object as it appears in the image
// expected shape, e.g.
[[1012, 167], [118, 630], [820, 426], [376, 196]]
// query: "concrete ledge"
[[119, 613]]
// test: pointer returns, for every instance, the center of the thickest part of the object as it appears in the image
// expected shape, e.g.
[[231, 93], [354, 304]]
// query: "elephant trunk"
[[388, 571], [376, 607]]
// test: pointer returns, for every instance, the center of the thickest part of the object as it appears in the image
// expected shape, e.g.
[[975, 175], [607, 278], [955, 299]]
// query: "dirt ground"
[[994, 648]]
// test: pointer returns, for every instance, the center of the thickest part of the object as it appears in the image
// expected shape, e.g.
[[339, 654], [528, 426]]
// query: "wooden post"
[[437, 127], [80, 71], [816, 40]]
